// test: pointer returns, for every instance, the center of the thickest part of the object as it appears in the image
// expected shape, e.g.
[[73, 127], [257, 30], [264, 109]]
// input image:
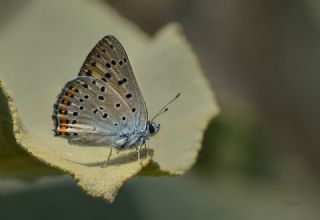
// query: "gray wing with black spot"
[[85, 116], [109, 63]]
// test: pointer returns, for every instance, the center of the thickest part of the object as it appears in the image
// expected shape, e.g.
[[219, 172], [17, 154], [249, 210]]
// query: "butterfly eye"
[[151, 129]]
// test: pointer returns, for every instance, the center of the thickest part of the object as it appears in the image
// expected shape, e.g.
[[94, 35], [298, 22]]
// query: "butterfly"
[[103, 105]]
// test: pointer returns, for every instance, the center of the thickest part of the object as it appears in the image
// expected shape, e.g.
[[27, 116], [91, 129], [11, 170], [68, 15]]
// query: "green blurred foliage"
[[234, 144]]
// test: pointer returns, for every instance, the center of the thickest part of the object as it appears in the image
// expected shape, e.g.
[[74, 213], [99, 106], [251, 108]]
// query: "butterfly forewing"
[[108, 62]]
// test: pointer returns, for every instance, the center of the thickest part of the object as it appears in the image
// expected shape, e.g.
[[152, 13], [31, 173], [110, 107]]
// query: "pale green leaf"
[[44, 47]]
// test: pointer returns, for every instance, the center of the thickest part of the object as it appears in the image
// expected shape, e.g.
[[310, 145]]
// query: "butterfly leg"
[[139, 149], [138, 152], [146, 146], [106, 163]]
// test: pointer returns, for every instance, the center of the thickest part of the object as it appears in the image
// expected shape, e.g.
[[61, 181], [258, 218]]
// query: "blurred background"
[[260, 156]]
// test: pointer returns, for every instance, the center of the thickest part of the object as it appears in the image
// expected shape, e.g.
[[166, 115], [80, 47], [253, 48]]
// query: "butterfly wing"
[[84, 116], [103, 102], [109, 62]]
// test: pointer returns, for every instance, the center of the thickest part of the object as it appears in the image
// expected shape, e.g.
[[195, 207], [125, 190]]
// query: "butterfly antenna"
[[164, 108]]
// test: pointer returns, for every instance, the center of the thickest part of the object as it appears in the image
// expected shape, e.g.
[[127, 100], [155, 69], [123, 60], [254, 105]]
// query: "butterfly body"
[[138, 138], [103, 106]]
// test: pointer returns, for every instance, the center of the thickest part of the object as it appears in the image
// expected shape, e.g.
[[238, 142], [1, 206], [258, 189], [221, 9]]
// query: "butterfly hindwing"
[[83, 115]]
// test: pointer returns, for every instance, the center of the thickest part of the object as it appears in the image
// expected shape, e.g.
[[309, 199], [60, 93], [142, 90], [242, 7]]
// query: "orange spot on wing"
[[96, 74], [62, 111], [64, 122], [69, 94], [74, 88], [63, 128], [66, 102], [92, 73]]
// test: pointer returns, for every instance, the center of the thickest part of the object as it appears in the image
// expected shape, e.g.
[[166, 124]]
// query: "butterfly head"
[[153, 128]]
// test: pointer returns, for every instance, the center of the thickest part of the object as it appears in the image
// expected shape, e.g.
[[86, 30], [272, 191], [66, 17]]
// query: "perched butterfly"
[[104, 106]]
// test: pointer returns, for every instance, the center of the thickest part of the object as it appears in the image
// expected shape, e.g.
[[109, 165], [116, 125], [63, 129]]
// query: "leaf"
[[169, 66], [39, 55], [15, 162]]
